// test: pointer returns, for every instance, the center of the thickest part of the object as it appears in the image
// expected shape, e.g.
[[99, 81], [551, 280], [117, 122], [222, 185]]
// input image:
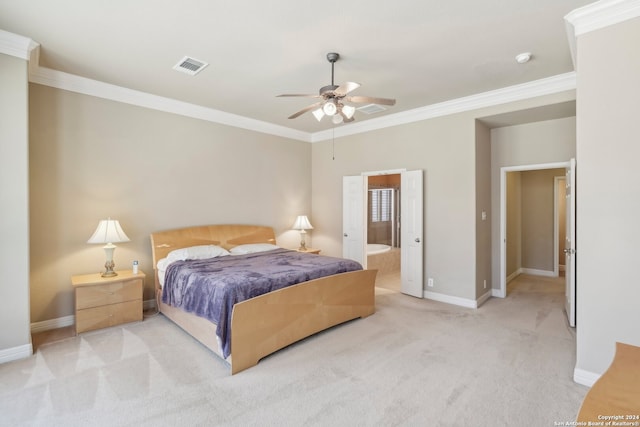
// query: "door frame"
[[556, 223], [502, 291]]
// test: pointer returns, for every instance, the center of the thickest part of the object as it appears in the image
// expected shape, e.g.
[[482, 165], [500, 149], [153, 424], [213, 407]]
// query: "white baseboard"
[[47, 325], [536, 272], [497, 293], [16, 353], [585, 377], [514, 275], [463, 302], [484, 297], [65, 321]]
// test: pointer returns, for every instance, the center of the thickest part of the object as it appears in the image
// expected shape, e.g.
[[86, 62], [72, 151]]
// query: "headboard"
[[225, 235]]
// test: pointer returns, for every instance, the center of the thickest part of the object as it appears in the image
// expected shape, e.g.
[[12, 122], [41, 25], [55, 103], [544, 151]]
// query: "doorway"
[[510, 264], [410, 225], [383, 230]]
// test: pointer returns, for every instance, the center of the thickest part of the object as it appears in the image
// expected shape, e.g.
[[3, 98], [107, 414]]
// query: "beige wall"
[[549, 141], [608, 195], [445, 149], [92, 158], [483, 204], [538, 216], [14, 202]]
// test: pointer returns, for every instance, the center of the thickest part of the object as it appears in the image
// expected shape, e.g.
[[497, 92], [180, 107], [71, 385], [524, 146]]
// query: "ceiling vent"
[[190, 65], [371, 109]]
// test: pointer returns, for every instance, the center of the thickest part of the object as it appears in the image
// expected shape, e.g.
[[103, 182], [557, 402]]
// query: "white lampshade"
[[319, 114], [108, 231], [348, 111], [330, 108], [302, 223]]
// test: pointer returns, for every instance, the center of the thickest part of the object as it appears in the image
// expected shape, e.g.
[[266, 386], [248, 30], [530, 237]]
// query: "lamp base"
[[109, 274], [109, 269], [303, 244]]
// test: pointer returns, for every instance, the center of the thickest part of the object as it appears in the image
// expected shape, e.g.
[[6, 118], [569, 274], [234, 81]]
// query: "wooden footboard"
[[265, 324], [270, 322]]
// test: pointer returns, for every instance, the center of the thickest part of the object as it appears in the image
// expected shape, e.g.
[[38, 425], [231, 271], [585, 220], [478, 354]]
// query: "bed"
[[261, 325]]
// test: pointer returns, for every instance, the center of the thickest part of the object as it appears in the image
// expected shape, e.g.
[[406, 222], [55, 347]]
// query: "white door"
[[411, 263], [354, 218], [570, 245]]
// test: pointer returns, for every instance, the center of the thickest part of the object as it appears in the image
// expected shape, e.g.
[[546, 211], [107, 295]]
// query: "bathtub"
[[377, 248]]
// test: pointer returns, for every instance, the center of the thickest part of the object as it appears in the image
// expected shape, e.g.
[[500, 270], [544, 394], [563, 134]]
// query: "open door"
[[354, 219], [570, 245], [411, 234]]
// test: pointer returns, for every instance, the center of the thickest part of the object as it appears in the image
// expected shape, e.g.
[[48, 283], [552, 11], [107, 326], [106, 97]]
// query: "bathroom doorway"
[[354, 225], [384, 228]]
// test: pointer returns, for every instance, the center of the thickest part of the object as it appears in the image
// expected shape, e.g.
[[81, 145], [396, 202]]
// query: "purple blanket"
[[209, 288]]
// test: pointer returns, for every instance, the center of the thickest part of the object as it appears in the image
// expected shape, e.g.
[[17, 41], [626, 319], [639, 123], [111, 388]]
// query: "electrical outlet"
[[485, 283], [430, 282]]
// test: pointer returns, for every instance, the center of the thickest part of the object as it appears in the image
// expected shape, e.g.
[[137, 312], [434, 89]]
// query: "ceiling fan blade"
[[304, 110], [299, 94], [345, 88], [370, 100]]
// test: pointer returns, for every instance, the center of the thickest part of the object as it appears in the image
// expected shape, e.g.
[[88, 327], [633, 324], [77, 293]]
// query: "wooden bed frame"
[[267, 323]]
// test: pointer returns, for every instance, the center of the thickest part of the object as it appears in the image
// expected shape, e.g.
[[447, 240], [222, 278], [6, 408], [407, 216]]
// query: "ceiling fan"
[[333, 99]]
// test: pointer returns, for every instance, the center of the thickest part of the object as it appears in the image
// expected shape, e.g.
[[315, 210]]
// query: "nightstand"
[[310, 251], [107, 301]]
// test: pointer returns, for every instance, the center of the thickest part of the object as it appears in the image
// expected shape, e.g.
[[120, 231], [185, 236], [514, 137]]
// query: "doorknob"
[[417, 240]]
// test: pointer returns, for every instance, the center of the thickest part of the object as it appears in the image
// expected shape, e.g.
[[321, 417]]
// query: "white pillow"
[[251, 248], [162, 268], [196, 252]]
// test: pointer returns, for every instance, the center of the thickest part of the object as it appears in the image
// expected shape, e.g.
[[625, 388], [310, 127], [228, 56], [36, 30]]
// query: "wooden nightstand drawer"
[[108, 315], [107, 301], [110, 293]]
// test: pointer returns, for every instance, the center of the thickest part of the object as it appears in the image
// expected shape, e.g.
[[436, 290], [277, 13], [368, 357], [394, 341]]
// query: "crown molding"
[[595, 16], [73, 83], [26, 48], [546, 86], [602, 14], [16, 45]]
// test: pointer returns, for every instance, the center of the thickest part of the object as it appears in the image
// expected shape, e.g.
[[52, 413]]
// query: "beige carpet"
[[414, 362]]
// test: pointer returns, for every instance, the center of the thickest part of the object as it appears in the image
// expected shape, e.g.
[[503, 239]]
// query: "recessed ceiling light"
[[523, 57]]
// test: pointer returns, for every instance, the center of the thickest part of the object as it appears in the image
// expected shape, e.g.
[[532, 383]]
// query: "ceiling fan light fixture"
[[348, 111], [337, 119], [318, 114], [330, 108]]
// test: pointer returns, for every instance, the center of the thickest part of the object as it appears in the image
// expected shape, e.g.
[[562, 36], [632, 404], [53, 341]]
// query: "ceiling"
[[420, 52]]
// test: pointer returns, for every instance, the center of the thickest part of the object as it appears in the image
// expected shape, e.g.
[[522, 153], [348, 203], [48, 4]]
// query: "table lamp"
[[302, 223], [108, 231]]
